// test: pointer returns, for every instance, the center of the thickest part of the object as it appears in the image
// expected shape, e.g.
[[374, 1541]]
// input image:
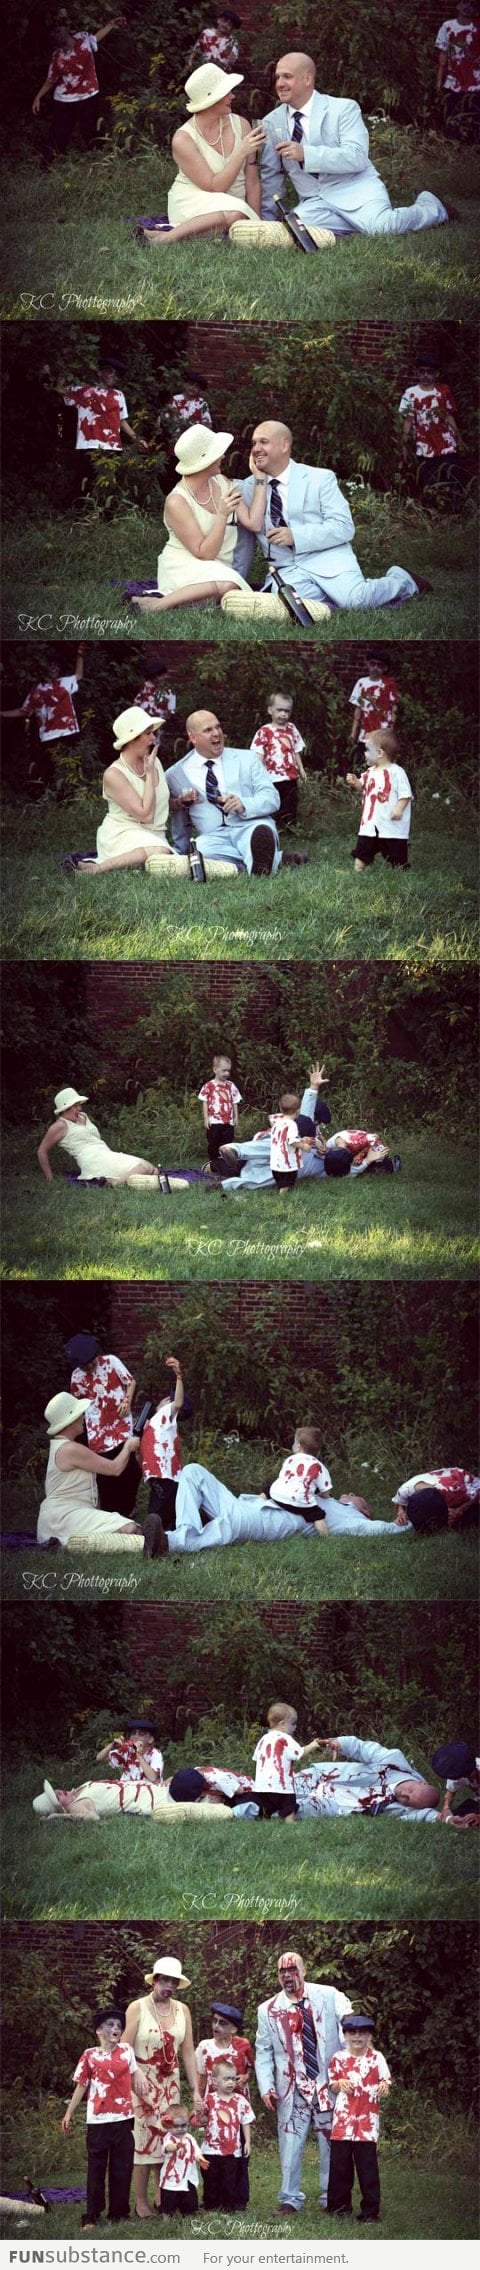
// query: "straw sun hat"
[[209, 84], [198, 448], [64, 1099], [167, 1967], [61, 1411], [130, 724]]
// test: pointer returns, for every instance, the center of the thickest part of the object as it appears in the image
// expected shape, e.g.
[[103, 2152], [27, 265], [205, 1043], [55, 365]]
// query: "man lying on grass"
[[358, 1777], [299, 1502]]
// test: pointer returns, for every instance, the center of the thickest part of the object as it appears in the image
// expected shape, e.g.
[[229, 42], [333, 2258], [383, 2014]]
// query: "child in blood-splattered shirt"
[[134, 1753], [217, 43], [285, 1143], [386, 794], [228, 2117], [303, 1479], [107, 2071], [178, 2176], [72, 76], [276, 1755], [225, 2041], [358, 2078], [459, 1491], [280, 745], [429, 423], [161, 1452], [374, 700], [458, 68], [220, 1100], [159, 701]]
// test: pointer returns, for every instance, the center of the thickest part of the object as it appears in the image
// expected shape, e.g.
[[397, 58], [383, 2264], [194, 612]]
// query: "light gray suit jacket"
[[334, 158], [245, 777], [320, 520]]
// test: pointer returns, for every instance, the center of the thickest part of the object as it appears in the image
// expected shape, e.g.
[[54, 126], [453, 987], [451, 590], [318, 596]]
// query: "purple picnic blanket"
[[21, 1541], [56, 2196], [149, 221]]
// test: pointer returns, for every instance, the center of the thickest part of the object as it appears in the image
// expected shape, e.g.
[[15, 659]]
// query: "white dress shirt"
[[304, 112], [195, 767]]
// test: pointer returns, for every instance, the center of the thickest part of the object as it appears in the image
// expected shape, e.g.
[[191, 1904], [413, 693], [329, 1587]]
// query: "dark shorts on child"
[[179, 2202], [162, 1499], [224, 2183], [396, 853], [271, 1802], [284, 1179], [287, 790]]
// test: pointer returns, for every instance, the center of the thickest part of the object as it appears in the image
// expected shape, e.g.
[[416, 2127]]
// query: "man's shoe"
[[421, 581], [295, 859], [263, 850], [155, 1542], [286, 2211]]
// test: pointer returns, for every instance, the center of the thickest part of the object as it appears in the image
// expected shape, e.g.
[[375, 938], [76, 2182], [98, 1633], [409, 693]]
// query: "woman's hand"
[[231, 500], [253, 141]]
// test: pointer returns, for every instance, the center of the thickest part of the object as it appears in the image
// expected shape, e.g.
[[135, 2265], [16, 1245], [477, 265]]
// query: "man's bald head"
[[205, 732], [295, 78], [272, 447]]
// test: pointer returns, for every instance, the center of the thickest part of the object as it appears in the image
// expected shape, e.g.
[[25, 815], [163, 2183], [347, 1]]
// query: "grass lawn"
[[352, 1868], [416, 1224], [69, 250], [428, 2183], [65, 575], [309, 1569], [307, 913]]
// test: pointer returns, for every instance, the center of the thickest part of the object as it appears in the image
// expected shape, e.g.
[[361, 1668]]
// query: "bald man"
[[321, 144], [307, 528], [227, 800]]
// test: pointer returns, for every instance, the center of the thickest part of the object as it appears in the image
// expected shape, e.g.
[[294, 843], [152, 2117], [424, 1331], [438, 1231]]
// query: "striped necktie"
[[211, 783], [277, 515], [297, 135], [310, 2051]]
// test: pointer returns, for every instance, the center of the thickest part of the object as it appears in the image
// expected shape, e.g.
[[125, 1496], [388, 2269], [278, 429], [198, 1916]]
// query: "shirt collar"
[[304, 109]]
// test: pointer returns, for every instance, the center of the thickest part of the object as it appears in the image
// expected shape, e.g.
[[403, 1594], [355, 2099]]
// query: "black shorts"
[[284, 1180], [271, 1802], [366, 848]]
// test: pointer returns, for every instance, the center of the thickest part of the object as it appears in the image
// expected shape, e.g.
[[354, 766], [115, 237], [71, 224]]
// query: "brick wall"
[[218, 348]]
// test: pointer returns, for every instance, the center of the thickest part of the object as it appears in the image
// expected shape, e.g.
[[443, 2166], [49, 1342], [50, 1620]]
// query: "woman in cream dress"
[[218, 181], [159, 2030], [136, 794], [200, 518], [70, 1510], [75, 1133]]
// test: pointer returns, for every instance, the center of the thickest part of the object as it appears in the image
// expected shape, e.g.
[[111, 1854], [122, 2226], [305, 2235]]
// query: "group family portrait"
[[265, 2079]]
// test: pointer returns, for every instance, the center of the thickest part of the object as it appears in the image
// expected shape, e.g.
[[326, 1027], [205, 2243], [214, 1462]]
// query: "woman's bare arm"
[[185, 526], [49, 1141], [130, 2030], [76, 1454], [141, 808], [192, 162]]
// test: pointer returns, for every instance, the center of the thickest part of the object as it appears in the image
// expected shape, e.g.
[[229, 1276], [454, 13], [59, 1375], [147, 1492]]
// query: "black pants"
[[119, 1494], [220, 2183], [367, 846], [109, 2145], [287, 790], [217, 1134], [162, 1500], [74, 122], [284, 1181], [179, 2202], [344, 2159], [270, 1803], [440, 479]]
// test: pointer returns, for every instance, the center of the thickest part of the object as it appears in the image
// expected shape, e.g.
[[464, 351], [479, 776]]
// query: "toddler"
[[160, 1450], [275, 1758], [220, 1100], [226, 2144], [285, 1143], [386, 804], [280, 745], [179, 2169]]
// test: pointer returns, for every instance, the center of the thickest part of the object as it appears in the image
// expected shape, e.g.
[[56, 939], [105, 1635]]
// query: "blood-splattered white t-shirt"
[[100, 411], [357, 2116], [383, 785], [274, 1760], [74, 69], [239, 2052], [302, 1479], [285, 1153], [220, 1097], [124, 1755], [185, 410], [51, 703], [223, 2122], [432, 410], [160, 1450], [377, 698], [278, 746], [218, 47], [180, 2165], [157, 703], [105, 1383], [455, 1483], [109, 2074], [461, 43]]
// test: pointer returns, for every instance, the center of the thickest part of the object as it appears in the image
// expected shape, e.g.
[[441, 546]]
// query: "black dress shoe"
[[155, 1542], [263, 850]]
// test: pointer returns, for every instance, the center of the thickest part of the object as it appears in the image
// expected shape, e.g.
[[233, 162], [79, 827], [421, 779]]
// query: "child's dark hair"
[[310, 1440]]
